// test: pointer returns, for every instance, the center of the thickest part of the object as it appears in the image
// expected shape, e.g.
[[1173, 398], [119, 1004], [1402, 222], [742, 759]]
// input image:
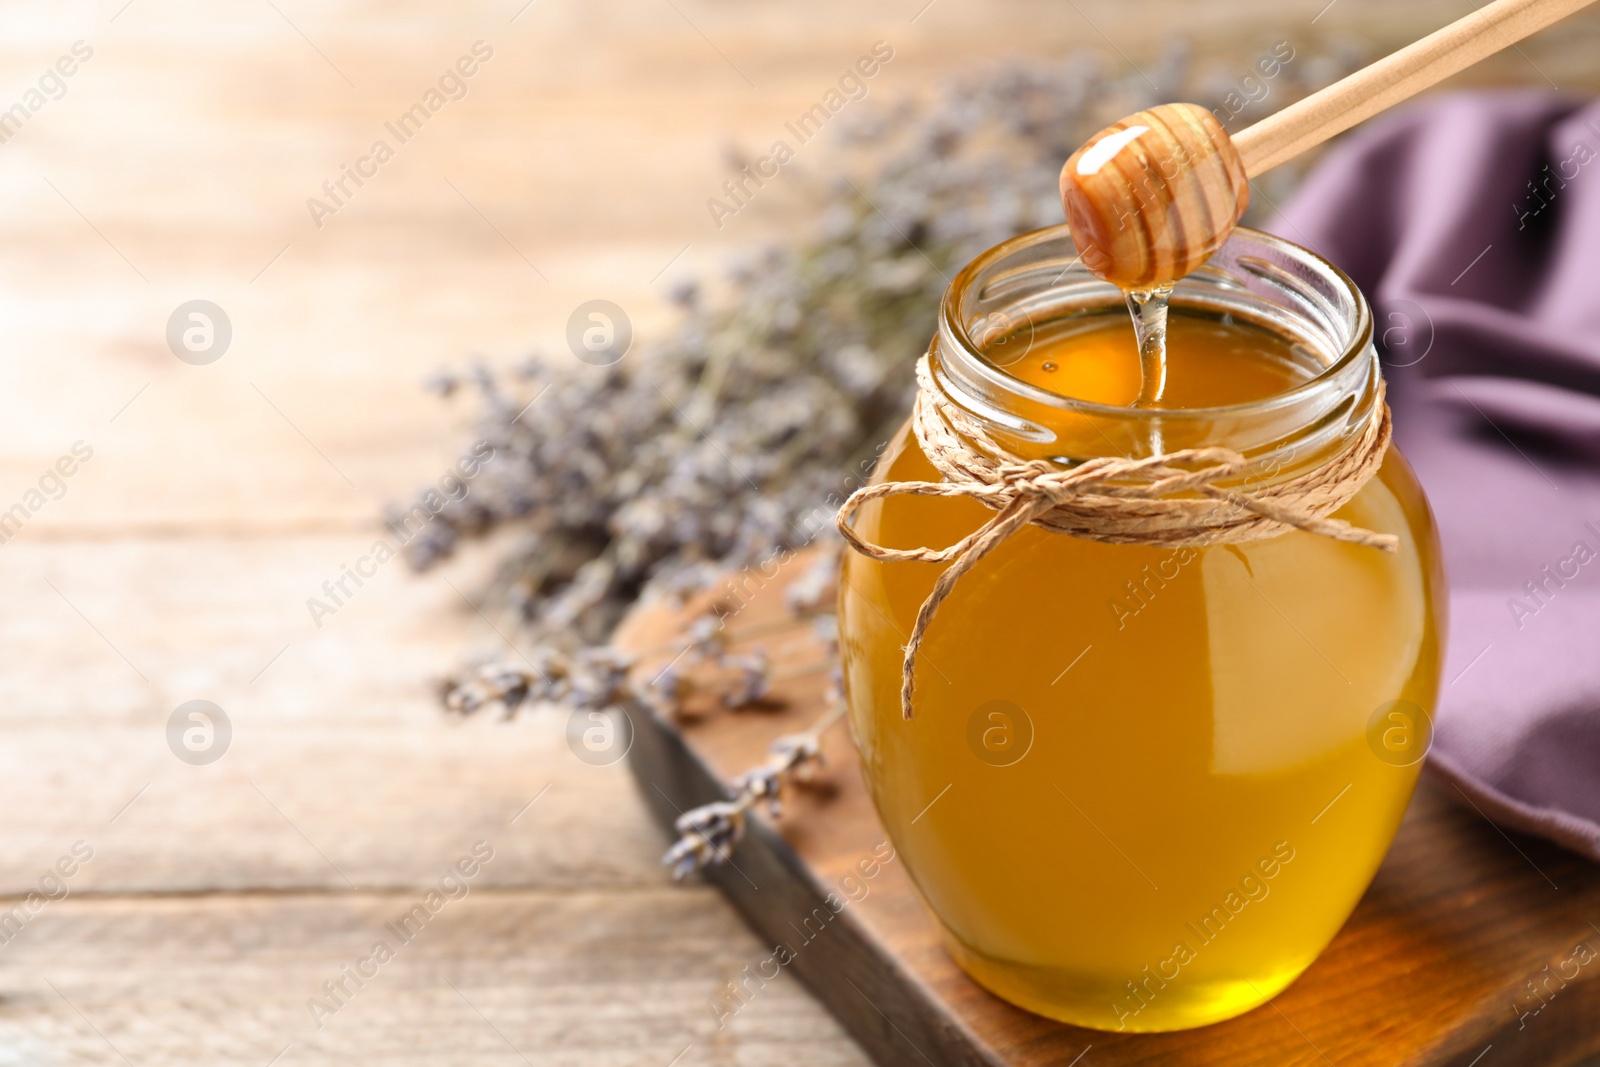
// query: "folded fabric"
[[1472, 223]]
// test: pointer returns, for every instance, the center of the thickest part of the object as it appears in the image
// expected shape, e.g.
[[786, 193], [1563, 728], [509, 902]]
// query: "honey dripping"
[[1148, 200], [1149, 310]]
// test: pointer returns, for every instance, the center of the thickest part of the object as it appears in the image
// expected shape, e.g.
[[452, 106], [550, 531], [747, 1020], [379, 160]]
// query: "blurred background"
[[212, 496]]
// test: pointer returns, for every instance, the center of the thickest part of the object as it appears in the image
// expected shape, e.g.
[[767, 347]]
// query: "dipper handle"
[[1307, 123]]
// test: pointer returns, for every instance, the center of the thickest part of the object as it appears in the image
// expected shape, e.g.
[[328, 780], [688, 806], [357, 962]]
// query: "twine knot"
[[1169, 499]]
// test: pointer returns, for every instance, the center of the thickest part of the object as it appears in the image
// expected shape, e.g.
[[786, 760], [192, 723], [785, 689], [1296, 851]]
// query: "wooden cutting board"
[[1463, 952]]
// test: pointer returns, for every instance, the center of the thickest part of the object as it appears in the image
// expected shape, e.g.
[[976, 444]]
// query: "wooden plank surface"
[[500, 977], [1469, 947], [177, 166]]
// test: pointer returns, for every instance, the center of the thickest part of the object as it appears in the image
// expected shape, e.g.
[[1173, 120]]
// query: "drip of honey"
[[1148, 199], [1149, 310]]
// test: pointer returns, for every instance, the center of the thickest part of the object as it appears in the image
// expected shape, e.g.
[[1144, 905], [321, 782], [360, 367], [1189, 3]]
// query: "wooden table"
[[221, 897]]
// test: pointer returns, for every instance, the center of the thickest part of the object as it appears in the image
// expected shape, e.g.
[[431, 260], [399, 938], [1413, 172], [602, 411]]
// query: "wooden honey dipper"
[[1150, 198]]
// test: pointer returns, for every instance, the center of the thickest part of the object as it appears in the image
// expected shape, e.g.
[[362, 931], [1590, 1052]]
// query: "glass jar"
[[1144, 786]]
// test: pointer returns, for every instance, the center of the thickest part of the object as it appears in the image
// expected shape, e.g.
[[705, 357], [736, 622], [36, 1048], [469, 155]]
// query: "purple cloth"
[[1472, 223]]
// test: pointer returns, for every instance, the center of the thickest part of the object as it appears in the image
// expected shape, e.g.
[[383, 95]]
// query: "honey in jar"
[[1145, 785]]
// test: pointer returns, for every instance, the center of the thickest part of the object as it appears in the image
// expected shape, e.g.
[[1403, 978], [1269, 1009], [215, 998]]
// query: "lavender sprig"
[[707, 835]]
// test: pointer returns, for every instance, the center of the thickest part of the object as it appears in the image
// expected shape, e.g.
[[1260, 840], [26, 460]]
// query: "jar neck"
[[1257, 279]]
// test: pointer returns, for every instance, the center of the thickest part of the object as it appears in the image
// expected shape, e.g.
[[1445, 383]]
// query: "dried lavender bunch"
[[731, 440]]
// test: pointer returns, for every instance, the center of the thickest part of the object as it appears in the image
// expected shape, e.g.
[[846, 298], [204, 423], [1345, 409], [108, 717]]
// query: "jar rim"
[[1353, 347]]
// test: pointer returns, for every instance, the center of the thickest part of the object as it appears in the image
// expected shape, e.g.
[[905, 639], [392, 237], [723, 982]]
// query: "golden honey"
[[1144, 786]]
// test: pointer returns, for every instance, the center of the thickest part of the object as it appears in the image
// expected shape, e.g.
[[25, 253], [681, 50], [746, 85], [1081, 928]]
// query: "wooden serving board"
[[1443, 963]]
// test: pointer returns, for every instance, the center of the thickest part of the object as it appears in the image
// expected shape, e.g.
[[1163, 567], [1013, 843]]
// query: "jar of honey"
[[1144, 785]]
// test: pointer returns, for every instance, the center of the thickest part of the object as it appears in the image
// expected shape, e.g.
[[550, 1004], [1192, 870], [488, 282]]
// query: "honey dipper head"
[[1150, 198]]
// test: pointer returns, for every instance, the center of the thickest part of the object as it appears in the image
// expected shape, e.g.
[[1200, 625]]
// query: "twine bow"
[[1111, 499]]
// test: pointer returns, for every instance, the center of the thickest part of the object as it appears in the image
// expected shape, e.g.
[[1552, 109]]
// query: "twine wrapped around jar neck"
[[1169, 499]]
